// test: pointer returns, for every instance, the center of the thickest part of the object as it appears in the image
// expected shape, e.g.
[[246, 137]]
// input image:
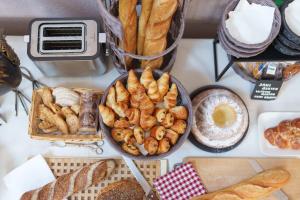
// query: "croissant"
[[132, 82], [108, 116], [138, 133], [131, 149], [168, 121], [147, 121], [151, 145], [179, 126], [122, 93], [146, 104], [160, 114], [118, 134], [179, 112], [153, 92], [163, 84], [136, 97], [146, 77], [133, 115], [172, 136], [170, 100], [111, 97], [163, 146], [120, 108], [121, 123], [158, 132]]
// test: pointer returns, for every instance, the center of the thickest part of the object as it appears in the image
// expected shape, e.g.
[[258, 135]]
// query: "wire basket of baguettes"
[[143, 33], [65, 115]]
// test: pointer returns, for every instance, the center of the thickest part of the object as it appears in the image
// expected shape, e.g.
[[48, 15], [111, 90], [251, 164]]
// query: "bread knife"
[[149, 192], [279, 194]]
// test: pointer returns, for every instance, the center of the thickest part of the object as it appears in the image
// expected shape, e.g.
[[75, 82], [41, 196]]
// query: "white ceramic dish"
[[271, 119]]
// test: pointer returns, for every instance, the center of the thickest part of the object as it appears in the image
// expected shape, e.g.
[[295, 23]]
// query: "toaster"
[[67, 47]]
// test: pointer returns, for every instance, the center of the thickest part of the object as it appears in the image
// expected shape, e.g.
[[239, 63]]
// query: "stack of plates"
[[287, 41], [242, 50]]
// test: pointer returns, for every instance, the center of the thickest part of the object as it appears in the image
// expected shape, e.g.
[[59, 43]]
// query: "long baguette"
[[259, 186], [68, 184], [128, 18], [157, 29]]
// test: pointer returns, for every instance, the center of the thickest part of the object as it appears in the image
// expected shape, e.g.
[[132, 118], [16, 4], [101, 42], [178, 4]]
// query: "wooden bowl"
[[182, 99]]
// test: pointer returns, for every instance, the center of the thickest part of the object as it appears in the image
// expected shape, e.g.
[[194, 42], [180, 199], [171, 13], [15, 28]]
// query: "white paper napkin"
[[29, 176], [250, 23], [292, 16]]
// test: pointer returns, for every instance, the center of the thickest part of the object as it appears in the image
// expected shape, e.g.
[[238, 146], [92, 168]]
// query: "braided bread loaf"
[[68, 184], [259, 186]]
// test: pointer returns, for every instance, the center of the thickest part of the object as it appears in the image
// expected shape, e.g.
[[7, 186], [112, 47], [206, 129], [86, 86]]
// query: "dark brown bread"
[[68, 184], [122, 190]]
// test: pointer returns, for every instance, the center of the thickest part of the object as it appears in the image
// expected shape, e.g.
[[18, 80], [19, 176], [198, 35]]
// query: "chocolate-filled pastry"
[[163, 84], [147, 77], [133, 115], [147, 121], [158, 132], [128, 134], [168, 121], [163, 146], [179, 126], [151, 145], [138, 133], [122, 93], [131, 149], [88, 115], [179, 112], [121, 123], [172, 136], [153, 92], [111, 97], [160, 114], [170, 100], [118, 134], [108, 115]]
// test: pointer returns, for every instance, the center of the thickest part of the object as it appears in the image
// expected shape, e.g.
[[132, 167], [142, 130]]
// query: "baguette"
[[128, 18], [68, 184], [157, 29], [259, 186]]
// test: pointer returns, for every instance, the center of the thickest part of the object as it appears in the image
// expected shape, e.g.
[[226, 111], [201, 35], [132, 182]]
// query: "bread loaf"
[[157, 29], [128, 18], [68, 184], [122, 190], [259, 186]]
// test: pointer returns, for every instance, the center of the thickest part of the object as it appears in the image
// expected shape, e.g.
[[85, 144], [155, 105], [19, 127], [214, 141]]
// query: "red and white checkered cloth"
[[182, 183]]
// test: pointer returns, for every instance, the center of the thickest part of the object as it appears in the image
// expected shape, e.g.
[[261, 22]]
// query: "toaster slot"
[[62, 45], [62, 31]]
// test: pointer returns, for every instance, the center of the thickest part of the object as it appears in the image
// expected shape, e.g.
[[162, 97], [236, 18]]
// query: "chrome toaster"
[[67, 47]]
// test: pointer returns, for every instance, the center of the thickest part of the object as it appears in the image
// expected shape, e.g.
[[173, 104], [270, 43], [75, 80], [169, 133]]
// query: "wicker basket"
[[35, 133], [114, 32]]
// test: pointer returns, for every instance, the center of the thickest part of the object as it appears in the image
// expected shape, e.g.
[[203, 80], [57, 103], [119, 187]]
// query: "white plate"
[[271, 119]]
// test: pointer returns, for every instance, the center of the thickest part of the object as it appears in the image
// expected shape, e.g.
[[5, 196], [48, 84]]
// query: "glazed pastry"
[[146, 105], [138, 133], [111, 97], [133, 115], [163, 84], [163, 146], [46, 96], [118, 134], [75, 109], [147, 77], [120, 108], [65, 97], [153, 92], [160, 114], [128, 134], [170, 100], [132, 82], [158, 132], [179, 112], [131, 149], [121, 123], [168, 121], [172, 136], [147, 121], [179, 126], [52, 118], [151, 145], [122, 93], [108, 116]]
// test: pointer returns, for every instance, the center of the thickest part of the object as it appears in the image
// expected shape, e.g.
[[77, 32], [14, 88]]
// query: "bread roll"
[[257, 187], [68, 184]]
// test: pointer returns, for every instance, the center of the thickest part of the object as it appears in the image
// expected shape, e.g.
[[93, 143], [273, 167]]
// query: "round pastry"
[[220, 118]]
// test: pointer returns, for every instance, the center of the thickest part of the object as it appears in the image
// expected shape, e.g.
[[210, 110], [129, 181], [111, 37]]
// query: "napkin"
[[250, 23], [292, 16], [30, 175], [182, 183]]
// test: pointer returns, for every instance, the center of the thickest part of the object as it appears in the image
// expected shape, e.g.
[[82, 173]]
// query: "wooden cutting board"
[[217, 173]]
